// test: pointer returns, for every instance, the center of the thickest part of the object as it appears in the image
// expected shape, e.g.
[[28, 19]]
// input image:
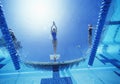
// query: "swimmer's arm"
[[56, 28], [92, 28], [51, 28]]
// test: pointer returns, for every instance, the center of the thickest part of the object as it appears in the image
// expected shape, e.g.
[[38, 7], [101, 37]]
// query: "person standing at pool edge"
[[54, 36], [90, 28]]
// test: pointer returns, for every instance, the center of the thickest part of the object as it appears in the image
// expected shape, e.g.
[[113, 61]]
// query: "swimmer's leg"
[[55, 46]]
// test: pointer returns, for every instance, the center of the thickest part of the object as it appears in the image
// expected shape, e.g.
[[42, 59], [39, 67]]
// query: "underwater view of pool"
[[32, 53]]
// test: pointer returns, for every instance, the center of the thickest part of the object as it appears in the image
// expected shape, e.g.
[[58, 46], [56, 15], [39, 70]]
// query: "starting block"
[[54, 56]]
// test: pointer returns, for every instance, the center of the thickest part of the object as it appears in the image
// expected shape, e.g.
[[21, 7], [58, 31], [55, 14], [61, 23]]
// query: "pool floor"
[[106, 70]]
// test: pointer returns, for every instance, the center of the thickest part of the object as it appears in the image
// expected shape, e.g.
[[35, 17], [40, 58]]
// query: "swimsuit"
[[54, 35]]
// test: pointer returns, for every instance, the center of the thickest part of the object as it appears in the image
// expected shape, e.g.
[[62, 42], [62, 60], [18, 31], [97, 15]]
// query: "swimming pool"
[[105, 69]]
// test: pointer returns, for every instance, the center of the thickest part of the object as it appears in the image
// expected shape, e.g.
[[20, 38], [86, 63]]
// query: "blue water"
[[72, 44], [71, 19]]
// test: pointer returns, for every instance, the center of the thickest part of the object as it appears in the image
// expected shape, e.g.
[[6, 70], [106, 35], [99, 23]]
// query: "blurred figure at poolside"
[[90, 28], [17, 44]]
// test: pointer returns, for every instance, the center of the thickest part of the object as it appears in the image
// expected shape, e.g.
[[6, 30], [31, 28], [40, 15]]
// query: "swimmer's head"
[[54, 30], [89, 25], [10, 30]]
